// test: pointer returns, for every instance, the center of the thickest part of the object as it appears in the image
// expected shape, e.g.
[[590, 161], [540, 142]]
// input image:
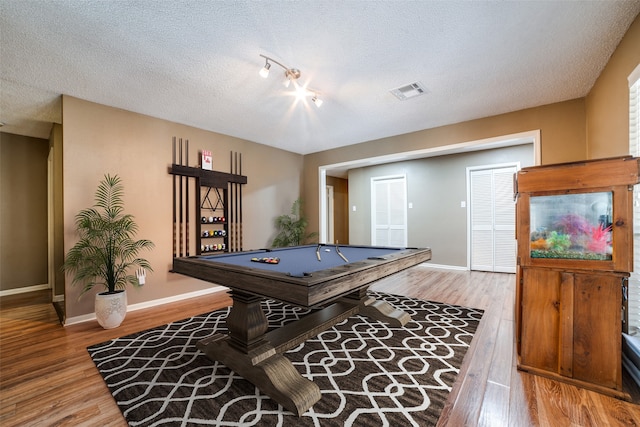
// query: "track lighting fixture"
[[290, 75]]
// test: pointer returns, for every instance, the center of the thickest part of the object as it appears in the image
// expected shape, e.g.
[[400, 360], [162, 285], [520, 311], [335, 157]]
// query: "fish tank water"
[[571, 226]]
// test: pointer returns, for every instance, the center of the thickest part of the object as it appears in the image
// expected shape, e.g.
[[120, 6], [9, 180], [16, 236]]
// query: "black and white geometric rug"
[[369, 374]]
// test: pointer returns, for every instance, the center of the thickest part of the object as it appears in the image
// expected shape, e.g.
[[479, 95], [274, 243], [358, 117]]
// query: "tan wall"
[[100, 139], [607, 105], [562, 140], [23, 211]]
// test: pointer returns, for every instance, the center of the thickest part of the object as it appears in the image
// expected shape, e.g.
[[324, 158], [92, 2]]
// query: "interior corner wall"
[[561, 125], [607, 104], [98, 139], [23, 211], [55, 146]]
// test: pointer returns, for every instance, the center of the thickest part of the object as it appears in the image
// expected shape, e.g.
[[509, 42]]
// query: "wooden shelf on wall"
[[208, 178]]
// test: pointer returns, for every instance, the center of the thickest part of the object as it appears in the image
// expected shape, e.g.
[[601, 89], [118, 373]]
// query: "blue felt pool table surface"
[[301, 261]]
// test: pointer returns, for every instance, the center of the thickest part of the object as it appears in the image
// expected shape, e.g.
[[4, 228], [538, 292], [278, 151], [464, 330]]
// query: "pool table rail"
[[305, 291]]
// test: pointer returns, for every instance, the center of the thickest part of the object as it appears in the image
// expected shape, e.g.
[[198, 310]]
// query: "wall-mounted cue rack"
[[217, 213]]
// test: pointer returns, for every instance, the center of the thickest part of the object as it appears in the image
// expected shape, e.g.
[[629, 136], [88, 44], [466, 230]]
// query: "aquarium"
[[571, 226]]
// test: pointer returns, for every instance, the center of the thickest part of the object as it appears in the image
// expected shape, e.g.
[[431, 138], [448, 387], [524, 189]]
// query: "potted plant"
[[292, 227], [107, 252]]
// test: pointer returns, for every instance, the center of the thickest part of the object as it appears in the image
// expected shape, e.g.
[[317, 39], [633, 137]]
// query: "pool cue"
[[340, 253], [230, 208], [240, 201], [187, 200], [181, 204], [235, 201], [175, 224]]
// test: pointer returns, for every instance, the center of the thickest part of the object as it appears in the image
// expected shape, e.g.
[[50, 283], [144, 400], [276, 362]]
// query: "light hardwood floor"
[[47, 377]]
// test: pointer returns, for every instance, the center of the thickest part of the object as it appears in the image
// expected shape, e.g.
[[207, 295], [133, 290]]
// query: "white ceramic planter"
[[111, 308]]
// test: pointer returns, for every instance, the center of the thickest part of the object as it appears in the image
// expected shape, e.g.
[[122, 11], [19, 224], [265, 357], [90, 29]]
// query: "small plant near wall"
[[292, 228], [107, 252]]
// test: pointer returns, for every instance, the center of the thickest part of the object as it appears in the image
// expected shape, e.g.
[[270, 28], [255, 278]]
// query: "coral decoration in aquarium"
[[572, 226]]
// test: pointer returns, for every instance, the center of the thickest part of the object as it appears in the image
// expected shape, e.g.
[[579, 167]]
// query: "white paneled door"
[[492, 219], [389, 211]]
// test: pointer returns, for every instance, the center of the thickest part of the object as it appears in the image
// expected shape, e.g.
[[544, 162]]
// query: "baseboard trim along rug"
[[369, 373]]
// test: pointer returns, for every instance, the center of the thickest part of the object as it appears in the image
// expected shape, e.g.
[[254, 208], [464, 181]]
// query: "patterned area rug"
[[369, 374]]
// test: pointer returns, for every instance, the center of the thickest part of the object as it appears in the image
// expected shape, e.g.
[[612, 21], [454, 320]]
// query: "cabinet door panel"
[[540, 318], [597, 323]]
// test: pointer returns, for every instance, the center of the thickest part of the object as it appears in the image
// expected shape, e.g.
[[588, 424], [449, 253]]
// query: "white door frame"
[[322, 205], [330, 214]]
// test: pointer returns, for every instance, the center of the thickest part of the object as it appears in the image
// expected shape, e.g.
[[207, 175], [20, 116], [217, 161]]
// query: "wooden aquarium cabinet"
[[575, 252]]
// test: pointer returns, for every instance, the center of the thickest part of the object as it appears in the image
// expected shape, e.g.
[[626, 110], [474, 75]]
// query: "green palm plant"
[[292, 228], [106, 250]]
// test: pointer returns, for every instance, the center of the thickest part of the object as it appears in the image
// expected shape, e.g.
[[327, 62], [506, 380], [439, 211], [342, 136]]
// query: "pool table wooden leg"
[[246, 351], [379, 310]]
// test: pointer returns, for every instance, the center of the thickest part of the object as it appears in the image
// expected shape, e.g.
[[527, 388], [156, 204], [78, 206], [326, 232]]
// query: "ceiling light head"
[[317, 101], [264, 73], [292, 74]]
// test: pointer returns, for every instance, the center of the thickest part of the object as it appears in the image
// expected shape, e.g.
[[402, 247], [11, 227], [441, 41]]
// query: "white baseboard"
[[81, 319], [58, 298], [24, 290], [446, 267], [149, 304]]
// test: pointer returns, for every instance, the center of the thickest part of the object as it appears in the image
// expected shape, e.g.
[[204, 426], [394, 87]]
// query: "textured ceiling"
[[197, 62]]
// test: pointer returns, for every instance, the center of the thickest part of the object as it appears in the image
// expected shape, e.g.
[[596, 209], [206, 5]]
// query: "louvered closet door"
[[481, 221], [493, 244], [388, 213]]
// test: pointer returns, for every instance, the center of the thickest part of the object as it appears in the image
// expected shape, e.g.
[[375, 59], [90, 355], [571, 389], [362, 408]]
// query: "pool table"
[[329, 279]]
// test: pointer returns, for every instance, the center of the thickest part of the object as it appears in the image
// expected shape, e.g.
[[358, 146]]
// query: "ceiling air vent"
[[409, 91]]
